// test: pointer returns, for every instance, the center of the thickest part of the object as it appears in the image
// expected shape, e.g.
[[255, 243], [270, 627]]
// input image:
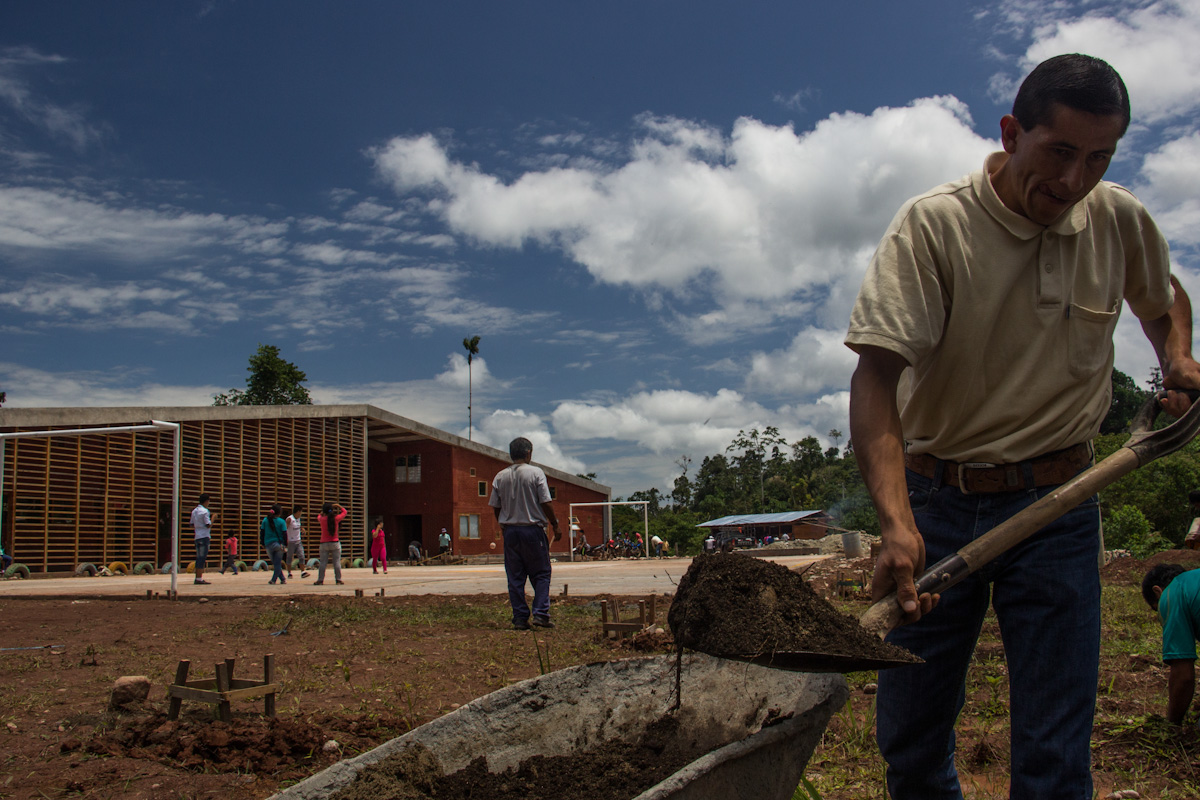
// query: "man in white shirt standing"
[[202, 525], [521, 502], [295, 547]]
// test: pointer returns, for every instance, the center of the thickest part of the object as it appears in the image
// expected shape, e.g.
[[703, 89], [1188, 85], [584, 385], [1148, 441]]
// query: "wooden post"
[[269, 679], [181, 673], [224, 708], [653, 606]]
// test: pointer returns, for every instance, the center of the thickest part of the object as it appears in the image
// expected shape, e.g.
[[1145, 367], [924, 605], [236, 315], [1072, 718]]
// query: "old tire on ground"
[[345, 563], [260, 565], [166, 568], [16, 571], [191, 567], [313, 563], [356, 563], [118, 568], [86, 568], [143, 568], [241, 565]]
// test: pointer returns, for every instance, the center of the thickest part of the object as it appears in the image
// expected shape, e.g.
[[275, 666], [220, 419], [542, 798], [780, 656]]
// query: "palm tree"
[[472, 346]]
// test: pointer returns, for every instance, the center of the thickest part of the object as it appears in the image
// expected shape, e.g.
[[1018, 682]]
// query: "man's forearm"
[[879, 439], [1171, 334]]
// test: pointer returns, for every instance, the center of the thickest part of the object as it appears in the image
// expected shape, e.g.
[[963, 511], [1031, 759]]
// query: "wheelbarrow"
[[757, 726]]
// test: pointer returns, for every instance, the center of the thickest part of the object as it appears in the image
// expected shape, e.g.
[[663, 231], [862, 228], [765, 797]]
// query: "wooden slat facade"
[[105, 498]]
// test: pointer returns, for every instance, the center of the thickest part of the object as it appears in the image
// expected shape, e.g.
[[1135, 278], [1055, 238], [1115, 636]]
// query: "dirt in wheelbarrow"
[[615, 771], [738, 606]]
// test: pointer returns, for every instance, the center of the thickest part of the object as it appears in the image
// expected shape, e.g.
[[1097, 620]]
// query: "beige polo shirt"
[[1007, 325]]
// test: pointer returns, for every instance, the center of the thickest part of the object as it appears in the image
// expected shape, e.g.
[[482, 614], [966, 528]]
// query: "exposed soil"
[[354, 673], [737, 606], [618, 771]]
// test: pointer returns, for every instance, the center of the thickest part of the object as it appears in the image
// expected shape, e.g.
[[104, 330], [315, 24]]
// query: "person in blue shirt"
[[1174, 592]]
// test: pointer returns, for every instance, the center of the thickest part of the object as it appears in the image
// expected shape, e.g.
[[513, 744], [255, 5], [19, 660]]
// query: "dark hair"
[[327, 509], [1081, 82], [519, 448], [1194, 496], [276, 510], [1160, 575], [203, 499]]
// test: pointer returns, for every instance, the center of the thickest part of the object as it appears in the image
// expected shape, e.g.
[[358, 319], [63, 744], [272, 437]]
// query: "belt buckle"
[[962, 477]]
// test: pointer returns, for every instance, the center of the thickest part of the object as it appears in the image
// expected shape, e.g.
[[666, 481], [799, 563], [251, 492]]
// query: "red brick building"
[[106, 498]]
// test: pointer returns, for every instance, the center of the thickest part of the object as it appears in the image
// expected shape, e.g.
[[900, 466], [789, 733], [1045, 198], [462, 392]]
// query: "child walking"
[[230, 555], [378, 548]]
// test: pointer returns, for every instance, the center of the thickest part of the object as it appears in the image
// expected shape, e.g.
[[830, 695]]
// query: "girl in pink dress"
[[378, 548]]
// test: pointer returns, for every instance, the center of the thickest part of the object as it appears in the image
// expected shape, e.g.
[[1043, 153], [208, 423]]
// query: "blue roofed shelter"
[[796, 524]]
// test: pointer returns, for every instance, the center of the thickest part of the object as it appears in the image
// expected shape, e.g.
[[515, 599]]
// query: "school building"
[[106, 498]]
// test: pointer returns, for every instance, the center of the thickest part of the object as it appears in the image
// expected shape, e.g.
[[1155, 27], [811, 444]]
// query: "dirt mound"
[[249, 745], [732, 605], [616, 771], [1129, 571]]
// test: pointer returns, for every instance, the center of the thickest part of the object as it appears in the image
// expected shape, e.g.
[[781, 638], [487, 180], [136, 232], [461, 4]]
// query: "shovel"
[[1144, 445]]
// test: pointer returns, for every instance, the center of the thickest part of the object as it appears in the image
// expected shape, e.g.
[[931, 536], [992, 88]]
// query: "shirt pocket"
[[1089, 339]]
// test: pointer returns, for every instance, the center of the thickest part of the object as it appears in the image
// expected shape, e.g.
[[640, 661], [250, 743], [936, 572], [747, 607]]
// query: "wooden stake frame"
[[223, 690]]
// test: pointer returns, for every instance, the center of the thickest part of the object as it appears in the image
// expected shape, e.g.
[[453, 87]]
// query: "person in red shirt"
[[378, 548], [230, 555], [330, 518]]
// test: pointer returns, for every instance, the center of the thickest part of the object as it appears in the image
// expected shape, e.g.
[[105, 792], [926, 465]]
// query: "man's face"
[[1053, 166]]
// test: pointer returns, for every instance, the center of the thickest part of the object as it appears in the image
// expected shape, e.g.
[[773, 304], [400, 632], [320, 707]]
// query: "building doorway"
[[166, 533], [408, 529]]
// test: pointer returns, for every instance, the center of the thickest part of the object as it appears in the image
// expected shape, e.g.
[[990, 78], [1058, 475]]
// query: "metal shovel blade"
[[807, 661]]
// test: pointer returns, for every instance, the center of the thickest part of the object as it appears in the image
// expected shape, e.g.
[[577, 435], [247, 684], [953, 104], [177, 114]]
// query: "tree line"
[[759, 472]]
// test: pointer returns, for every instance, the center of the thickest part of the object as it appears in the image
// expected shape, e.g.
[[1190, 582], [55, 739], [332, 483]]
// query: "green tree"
[[1126, 528], [272, 382], [1158, 490], [472, 346], [1127, 398]]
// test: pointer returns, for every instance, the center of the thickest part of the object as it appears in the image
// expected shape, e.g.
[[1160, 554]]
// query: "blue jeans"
[[275, 553], [527, 556], [202, 553], [1046, 593]]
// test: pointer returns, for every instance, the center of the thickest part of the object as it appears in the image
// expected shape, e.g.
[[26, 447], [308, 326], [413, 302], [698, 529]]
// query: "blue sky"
[[655, 214]]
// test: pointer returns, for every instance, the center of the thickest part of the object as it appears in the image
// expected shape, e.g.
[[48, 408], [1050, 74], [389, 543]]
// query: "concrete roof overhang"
[[383, 427]]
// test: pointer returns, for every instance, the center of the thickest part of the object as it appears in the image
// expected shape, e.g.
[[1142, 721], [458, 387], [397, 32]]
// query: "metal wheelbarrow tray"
[[579, 709]]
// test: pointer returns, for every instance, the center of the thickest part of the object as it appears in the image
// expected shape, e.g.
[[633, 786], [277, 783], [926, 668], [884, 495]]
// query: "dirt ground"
[[354, 672]]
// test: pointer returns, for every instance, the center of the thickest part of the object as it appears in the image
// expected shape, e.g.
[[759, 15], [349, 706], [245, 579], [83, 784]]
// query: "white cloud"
[[65, 123], [42, 219], [815, 361], [1170, 176], [1152, 46], [501, 427], [30, 387], [461, 375], [757, 221]]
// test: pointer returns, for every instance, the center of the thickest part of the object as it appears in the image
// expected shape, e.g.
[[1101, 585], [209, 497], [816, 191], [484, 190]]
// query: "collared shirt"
[[1007, 325], [202, 522], [519, 491], [1179, 608]]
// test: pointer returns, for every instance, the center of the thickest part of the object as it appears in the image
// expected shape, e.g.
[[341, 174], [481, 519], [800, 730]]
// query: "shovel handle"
[[1144, 445]]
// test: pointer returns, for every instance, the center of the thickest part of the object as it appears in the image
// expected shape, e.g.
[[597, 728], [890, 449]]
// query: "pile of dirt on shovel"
[[615, 771], [737, 606]]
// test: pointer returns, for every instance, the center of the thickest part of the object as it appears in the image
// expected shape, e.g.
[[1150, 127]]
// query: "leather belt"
[[976, 477]]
